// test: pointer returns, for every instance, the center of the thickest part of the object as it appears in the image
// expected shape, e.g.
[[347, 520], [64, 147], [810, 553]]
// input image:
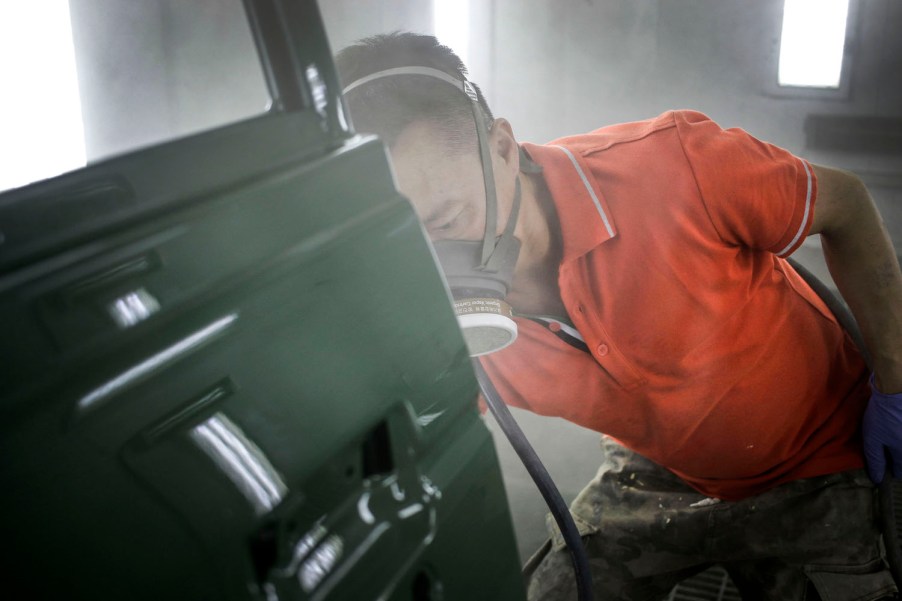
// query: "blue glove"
[[881, 428]]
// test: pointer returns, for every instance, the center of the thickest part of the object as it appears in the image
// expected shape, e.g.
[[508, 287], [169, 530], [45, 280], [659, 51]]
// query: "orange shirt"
[[707, 353]]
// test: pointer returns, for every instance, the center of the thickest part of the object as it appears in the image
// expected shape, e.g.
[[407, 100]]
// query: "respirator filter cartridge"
[[478, 294], [486, 324]]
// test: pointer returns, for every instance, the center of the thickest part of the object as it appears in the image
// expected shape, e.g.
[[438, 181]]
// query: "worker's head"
[[430, 130], [458, 166], [387, 106]]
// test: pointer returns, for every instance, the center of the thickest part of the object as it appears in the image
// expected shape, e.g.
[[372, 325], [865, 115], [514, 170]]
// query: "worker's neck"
[[535, 285]]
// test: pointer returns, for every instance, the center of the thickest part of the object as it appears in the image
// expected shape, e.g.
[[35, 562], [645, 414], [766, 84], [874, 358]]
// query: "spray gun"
[[479, 274]]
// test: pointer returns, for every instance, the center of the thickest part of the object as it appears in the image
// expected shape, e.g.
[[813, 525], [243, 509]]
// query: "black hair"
[[386, 106]]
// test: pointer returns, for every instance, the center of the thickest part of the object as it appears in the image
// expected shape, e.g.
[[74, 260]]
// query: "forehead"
[[430, 173]]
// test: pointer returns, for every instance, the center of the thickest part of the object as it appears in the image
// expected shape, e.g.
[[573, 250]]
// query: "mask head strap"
[[489, 246]]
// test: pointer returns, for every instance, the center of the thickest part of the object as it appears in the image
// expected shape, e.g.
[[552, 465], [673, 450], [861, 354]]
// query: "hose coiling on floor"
[[543, 481]]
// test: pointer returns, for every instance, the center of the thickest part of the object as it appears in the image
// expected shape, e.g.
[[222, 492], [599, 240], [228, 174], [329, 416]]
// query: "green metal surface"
[[305, 309]]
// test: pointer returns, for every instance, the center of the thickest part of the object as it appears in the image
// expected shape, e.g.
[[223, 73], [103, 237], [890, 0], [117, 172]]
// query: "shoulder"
[[675, 123]]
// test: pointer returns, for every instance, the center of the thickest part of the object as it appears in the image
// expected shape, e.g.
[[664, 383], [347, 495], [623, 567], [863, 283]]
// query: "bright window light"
[[451, 21], [812, 44], [41, 132]]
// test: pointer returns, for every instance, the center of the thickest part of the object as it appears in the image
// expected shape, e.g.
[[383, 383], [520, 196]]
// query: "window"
[[40, 111], [84, 80], [812, 44]]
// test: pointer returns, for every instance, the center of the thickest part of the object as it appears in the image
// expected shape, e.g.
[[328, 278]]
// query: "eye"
[[448, 225]]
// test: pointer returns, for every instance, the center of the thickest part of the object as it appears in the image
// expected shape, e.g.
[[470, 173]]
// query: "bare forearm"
[[864, 266]]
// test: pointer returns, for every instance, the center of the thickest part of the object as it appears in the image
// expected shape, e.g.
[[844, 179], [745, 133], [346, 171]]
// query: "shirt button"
[[602, 349], [554, 326]]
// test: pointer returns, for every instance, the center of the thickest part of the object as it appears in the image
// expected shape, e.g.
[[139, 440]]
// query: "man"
[[654, 251]]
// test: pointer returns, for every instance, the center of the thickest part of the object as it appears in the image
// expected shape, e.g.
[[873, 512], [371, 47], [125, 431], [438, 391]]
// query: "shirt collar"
[[582, 210]]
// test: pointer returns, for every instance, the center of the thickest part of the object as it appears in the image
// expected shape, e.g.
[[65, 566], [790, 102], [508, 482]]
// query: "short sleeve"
[[757, 195]]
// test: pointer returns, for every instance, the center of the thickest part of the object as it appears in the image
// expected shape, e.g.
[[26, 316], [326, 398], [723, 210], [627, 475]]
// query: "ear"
[[501, 138]]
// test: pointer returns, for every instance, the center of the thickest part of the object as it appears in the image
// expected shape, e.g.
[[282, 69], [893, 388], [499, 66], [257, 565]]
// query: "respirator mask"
[[479, 272]]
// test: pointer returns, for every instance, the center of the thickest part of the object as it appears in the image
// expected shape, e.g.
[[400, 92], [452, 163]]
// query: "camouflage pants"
[[645, 530]]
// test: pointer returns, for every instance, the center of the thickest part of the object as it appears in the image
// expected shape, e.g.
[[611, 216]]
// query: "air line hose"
[[543, 481]]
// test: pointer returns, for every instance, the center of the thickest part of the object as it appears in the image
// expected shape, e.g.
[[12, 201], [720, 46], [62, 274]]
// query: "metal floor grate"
[[713, 584]]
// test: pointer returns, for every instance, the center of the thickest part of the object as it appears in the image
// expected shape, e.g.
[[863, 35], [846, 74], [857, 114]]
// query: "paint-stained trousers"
[[645, 531]]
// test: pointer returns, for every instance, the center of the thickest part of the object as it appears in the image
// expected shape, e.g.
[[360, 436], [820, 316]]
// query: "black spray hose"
[[543, 481]]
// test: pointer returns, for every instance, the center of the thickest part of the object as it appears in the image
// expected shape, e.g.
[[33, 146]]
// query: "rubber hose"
[[543, 481]]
